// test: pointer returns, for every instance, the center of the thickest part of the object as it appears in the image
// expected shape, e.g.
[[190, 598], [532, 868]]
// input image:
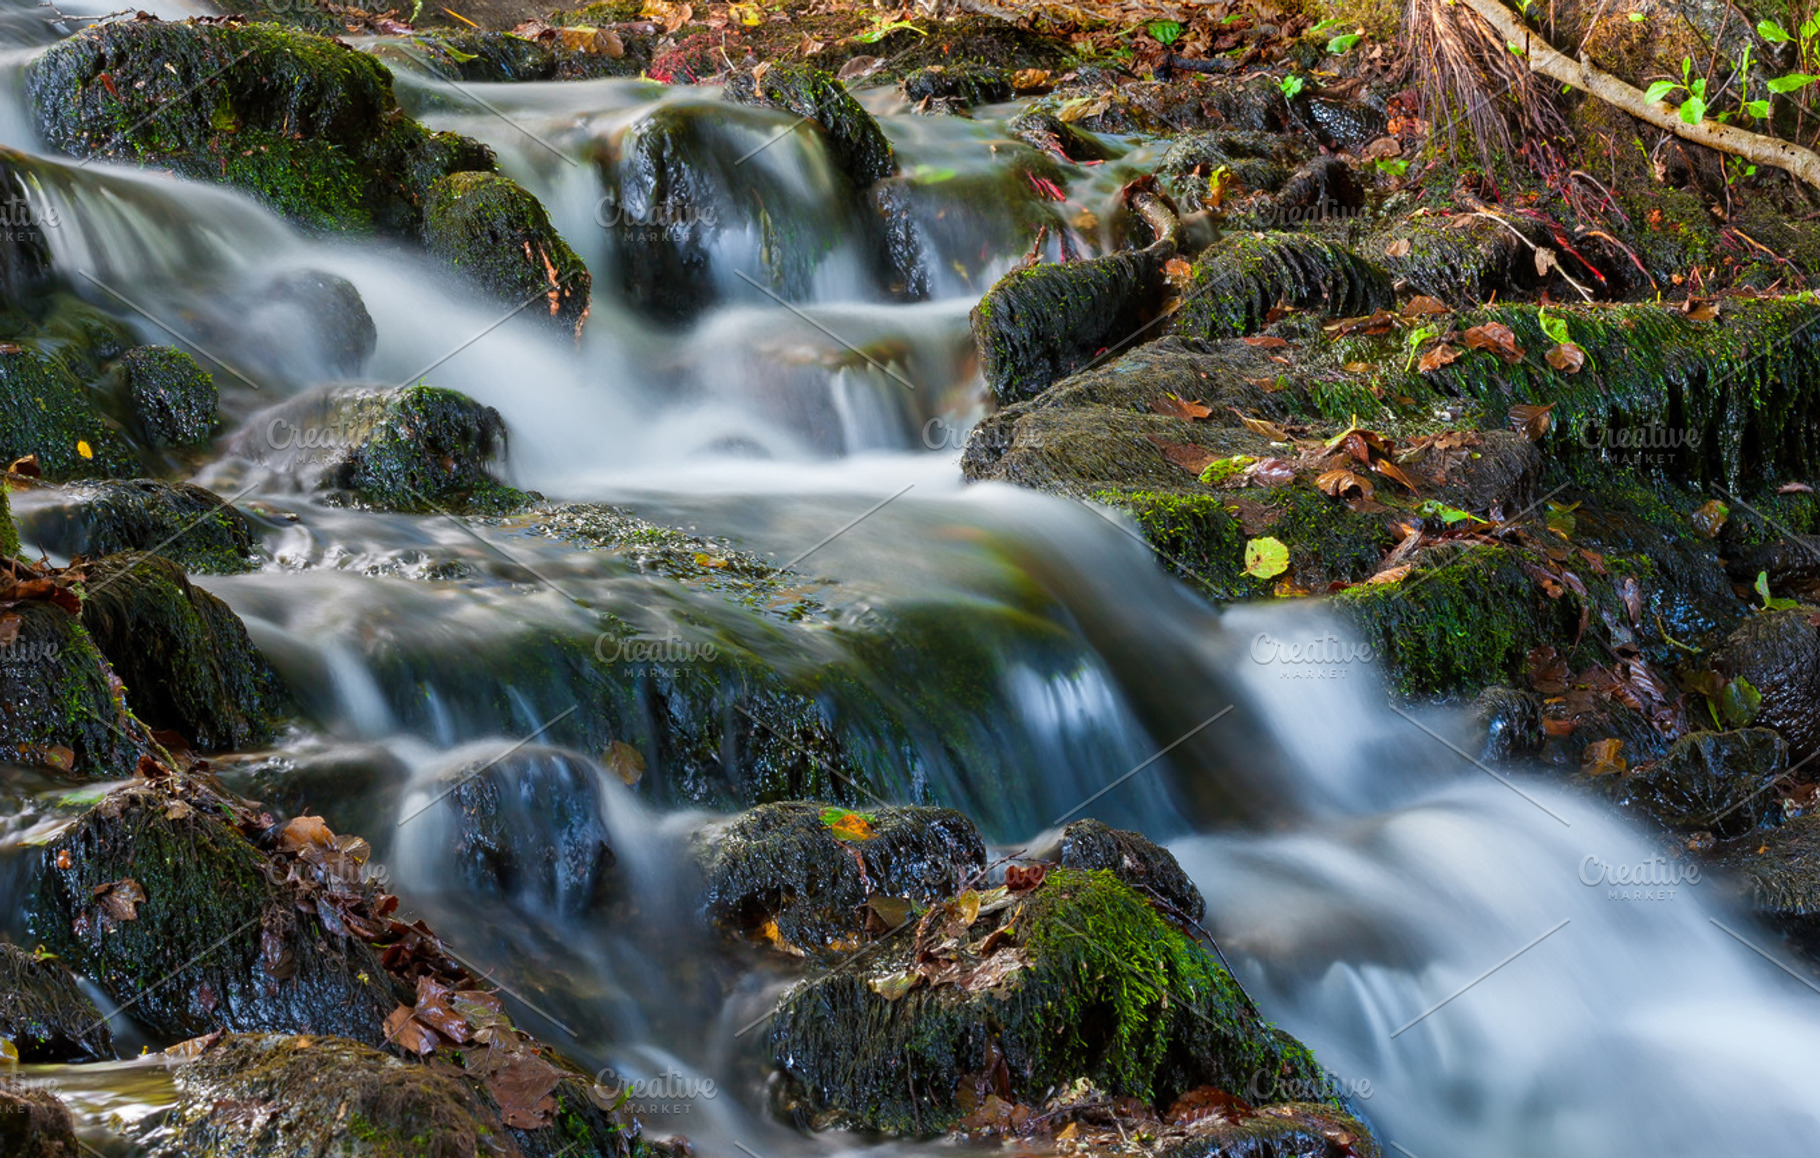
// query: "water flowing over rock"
[[45, 1015]]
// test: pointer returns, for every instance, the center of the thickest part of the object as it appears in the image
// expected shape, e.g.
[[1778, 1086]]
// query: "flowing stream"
[[1357, 870]]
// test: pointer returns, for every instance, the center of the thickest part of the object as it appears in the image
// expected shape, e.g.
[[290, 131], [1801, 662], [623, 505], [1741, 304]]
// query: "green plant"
[[1164, 31], [1291, 86], [1340, 45]]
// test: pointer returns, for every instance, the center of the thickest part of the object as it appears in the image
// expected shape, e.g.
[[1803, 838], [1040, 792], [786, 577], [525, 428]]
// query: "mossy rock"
[[1107, 990], [1039, 325], [499, 235], [45, 410], [799, 873], [1256, 162], [173, 399], [183, 654], [1148, 867], [327, 1097], [303, 122], [959, 87], [195, 528], [1711, 780], [1462, 261], [1237, 282], [57, 692], [1778, 652], [1045, 131], [967, 42], [478, 55], [34, 1123], [45, 1014], [218, 941], [859, 146]]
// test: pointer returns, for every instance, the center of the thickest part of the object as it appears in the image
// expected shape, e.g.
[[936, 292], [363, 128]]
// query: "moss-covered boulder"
[[326, 1097], [194, 528], [475, 54], [1148, 867], [1023, 993], [305, 123], [489, 228], [800, 874], [183, 654], [34, 1123], [1259, 162], [173, 399], [957, 88], [859, 146], [1237, 282], [159, 897], [45, 1014], [46, 410], [1778, 653], [60, 705]]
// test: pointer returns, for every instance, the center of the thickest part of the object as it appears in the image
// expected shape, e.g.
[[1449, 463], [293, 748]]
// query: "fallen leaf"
[[61, 758], [1423, 306], [1392, 574], [1496, 337], [1532, 422], [120, 899], [1266, 342], [1266, 557], [1709, 518], [1178, 272], [1441, 355], [1397, 248], [1700, 311], [1271, 472], [1029, 78], [304, 831], [1175, 407], [848, 825], [1794, 488], [1192, 459], [524, 1086], [625, 762], [1603, 758], [893, 986], [1338, 482], [1020, 879], [1567, 358], [1262, 426]]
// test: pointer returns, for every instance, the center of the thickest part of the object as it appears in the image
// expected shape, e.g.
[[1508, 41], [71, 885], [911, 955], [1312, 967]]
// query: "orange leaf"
[[1440, 356], [1338, 482], [1567, 358], [1497, 338], [1175, 407], [1266, 342], [1192, 459], [1532, 422]]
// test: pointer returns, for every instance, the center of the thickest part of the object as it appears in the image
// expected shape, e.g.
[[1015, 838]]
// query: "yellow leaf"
[[625, 762], [83, 449], [9, 1053]]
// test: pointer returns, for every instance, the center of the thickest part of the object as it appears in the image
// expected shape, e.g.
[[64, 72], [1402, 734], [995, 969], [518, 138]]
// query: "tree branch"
[[1547, 60]]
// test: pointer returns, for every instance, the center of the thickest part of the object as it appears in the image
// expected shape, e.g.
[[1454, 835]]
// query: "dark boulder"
[[958, 87], [60, 704], [800, 874], [1080, 978], [1717, 781], [1507, 724], [173, 399], [326, 305], [1141, 863], [1047, 132], [45, 1014], [157, 895], [856, 142], [1778, 653], [492, 230], [35, 1124], [193, 527], [183, 654]]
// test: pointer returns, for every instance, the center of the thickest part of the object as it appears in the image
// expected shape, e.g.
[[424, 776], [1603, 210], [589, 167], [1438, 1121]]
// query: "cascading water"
[[1357, 871]]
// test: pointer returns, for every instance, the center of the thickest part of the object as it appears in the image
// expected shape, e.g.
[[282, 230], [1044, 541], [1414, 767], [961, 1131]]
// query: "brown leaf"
[[1175, 407], [1266, 342], [1262, 426], [26, 467], [304, 831], [1178, 272], [1496, 337], [1338, 482], [1209, 1102], [1392, 574], [1423, 306], [407, 1033], [1397, 248], [1387, 467], [1532, 422], [625, 762], [1698, 311], [1567, 358], [1271, 472], [120, 899], [1603, 758], [1019, 879], [1709, 518], [1441, 355], [1794, 488], [524, 1087], [1192, 459], [61, 758], [1027, 79]]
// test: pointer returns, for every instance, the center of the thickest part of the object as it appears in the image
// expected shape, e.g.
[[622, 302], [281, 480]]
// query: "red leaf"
[[1192, 459]]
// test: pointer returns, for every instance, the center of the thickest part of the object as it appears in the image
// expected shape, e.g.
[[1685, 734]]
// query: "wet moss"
[[183, 654], [194, 528], [1254, 162], [46, 411], [959, 87], [218, 941], [1237, 281], [303, 122], [492, 230], [45, 1014], [426, 449], [172, 398], [859, 146], [1111, 993], [1461, 261], [781, 873], [474, 54], [56, 691]]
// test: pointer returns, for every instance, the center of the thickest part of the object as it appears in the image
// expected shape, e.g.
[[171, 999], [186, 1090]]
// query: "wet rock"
[[304, 123], [1716, 781], [59, 704], [173, 399], [497, 234], [416, 449], [300, 1097], [1141, 863], [1079, 978], [45, 1014], [528, 827], [158, 897], [47, 411], [1778, 652], [329, 307], [474, 54], [968, 41], [183, 654], [35, 1124], [1046, 132], [936, 219], [1462, 260], [1239, 280], [1323, 189], [192, 527], [799, 873], [959, 87], [1780, 871], [1258, 162], [1508, 724], [1347, 125], [854, 138], [25, 253]]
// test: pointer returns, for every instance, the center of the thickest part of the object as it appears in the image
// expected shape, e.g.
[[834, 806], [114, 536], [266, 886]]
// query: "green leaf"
[[875, 35], [1341, 44], [1291, 85], [1693, 110], [1637, 18], [1739, 702], [1758, 109], [1164, 31], [1810, 29], [1555, 328], [1772, 32], [1659, 90], [1330, 22], [1221, 469], [1771, 602], [1435, 509], [1266, 558], [1792, 81]]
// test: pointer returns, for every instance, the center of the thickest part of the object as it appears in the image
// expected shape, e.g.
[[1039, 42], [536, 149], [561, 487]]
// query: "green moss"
[[1111, 993], [9, 534], [499, 235], [173, 399], [1237, 282], [427, 449], [857, 143], [46, 411]]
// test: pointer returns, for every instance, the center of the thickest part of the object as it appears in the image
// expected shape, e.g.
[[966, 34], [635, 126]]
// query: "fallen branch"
[[1550, 62]]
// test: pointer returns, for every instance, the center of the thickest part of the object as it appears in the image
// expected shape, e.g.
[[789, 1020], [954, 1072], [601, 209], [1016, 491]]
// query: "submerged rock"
[[1138, 861], [304, 123], [1717, 781], [1018, 994], [306, 1097], [194, 528], [325, 305], [45, 1014], [183, 654], [488, 227], [157, 895], [172, 397], [799, 874]]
